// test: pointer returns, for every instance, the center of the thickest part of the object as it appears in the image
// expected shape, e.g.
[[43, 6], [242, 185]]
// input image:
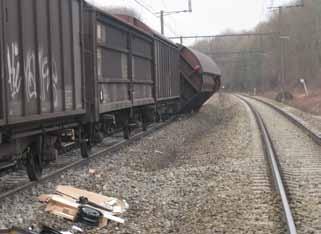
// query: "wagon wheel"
[[34, 162], [84, 145], [158, 118], [144, 127], [126, 130], [144, 121]]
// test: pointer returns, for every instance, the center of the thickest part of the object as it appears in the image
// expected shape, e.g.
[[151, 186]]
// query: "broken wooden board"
[[68, 208], [45, 198], [116, 206], [62, 209]]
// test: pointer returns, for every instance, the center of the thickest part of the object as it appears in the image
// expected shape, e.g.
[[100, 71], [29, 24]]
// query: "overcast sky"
[[209, 16]]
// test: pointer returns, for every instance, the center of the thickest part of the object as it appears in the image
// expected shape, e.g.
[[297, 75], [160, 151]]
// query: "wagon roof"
[[132, 22], [207, 63]]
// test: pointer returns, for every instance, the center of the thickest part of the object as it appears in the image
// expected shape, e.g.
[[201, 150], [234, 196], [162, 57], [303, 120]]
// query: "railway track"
[[316, 136], [17, 180], [295, 164]]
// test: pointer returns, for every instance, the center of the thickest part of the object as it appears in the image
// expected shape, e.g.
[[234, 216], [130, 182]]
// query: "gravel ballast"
[[311, 121], [201, 174], [300, 163]]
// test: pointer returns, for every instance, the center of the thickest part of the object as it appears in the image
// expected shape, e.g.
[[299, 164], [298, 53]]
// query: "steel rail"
[[84, 161], [315, 136], [272, 159]]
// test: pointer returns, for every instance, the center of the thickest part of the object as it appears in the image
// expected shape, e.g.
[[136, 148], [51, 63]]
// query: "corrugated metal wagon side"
[[119, 73], [142, 69], [167, 72], [167, 76], [43, 75], [121, 61], [112, 65], [2, 89]]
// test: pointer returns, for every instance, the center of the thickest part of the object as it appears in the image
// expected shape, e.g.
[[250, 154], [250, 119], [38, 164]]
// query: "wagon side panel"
[[142, 70], [2, 88], [77, 61], [90, 49], [13, 59], [43, 56], [67, 56], [43, 72], [112, 64], [167, 71]]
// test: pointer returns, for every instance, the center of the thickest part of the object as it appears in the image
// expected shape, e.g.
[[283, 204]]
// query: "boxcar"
[[166, 69], [41, 73], [120, 71]]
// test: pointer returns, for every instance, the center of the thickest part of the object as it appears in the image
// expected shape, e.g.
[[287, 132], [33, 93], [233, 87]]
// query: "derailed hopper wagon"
[[200, 79]]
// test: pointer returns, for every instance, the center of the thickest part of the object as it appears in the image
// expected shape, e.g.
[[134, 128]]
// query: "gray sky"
[[208, 17]]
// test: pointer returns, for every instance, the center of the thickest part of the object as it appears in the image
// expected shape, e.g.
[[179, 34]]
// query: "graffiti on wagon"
[[13, 62], [45, 77], [30, 75], [15, 77]]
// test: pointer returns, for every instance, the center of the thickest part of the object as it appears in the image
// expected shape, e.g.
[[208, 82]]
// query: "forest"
[[287, 48]]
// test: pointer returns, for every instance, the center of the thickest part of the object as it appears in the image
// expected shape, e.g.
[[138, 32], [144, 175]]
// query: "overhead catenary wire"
[[152, 12], [145, 7], [170, 17]]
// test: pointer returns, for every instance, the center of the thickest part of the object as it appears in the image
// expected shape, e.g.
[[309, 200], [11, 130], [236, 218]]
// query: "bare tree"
[[302, 49]]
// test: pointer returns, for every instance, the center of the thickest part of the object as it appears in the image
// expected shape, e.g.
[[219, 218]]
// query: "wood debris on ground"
[[67, 200]]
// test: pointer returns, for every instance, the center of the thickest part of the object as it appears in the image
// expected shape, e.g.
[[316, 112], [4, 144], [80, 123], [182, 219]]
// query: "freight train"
[[72, 72]]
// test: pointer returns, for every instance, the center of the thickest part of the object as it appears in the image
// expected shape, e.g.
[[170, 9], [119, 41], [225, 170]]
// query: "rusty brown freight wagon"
[[166, 69], [42, 86], [200, 79], [119, 71]]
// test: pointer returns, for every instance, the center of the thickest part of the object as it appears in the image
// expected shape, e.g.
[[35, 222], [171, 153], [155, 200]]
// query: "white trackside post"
[[305, 87]]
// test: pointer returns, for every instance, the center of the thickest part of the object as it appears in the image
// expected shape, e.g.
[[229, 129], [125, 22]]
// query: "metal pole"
[[181, 39], [281, 54], [285, 50], [261, 64], [162, 22]]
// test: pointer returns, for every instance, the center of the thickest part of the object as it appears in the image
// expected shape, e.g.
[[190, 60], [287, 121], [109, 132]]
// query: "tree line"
[[255, 62]]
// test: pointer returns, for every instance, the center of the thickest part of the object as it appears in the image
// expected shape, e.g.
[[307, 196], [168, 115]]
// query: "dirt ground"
[[311, 104]]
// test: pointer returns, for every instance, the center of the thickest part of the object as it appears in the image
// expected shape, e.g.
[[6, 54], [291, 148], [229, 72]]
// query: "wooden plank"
[[62, 207], [61, 211], [45, 198], [113, 204], [69, 203]]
